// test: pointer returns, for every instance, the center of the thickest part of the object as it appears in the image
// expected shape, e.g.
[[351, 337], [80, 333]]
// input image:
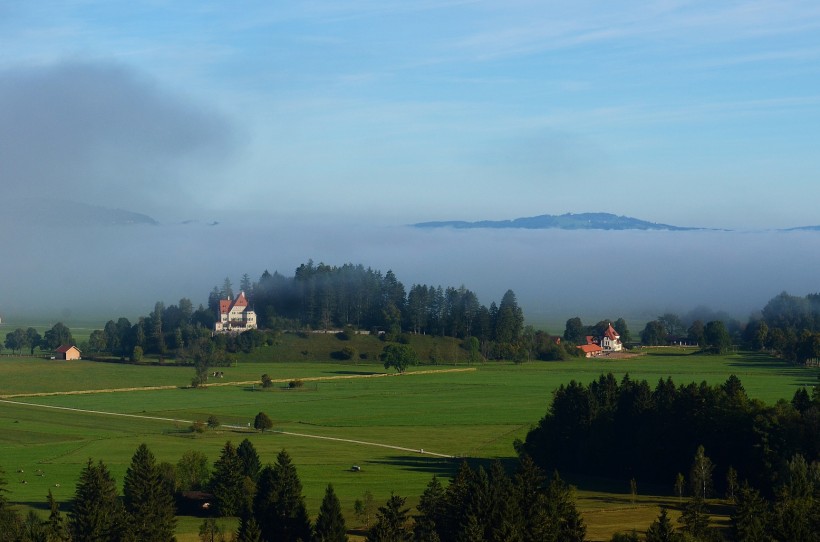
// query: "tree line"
[[316, 297], [478, 504], [629, 429], [28, 339], [787, 326]]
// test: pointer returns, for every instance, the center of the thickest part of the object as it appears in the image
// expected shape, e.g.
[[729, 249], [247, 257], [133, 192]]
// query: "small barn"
[[68, 352]]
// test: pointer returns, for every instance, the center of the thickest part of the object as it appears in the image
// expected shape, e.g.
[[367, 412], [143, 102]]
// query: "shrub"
[[136, 354], [213, 422], [198, 427], [267, 381], [345, 353], [295, 384]]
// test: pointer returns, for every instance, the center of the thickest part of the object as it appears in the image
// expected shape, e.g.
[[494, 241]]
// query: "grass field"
[[475, 413]]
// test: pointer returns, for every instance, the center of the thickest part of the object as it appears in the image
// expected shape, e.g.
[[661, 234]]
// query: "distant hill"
[[569, 221], [59, 212], [803, 228]]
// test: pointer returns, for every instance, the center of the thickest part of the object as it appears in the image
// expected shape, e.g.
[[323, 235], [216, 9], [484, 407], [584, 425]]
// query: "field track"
[[8, 400], [243, 383]]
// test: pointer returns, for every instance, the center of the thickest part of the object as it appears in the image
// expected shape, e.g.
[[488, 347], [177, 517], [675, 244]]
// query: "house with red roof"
[[235, 315], [591, 350], [610, 341]]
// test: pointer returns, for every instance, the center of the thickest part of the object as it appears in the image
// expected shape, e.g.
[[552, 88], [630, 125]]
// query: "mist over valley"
[[98, 272]]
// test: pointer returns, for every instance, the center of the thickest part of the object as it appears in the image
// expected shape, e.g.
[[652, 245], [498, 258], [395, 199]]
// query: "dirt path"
[[8, 400], [242, 383]]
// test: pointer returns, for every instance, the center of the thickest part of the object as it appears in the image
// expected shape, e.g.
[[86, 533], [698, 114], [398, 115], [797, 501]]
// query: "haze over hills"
[[568, 221], [119, 263]]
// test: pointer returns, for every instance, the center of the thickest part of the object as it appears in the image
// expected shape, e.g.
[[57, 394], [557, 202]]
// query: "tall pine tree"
[[330, 523], [147, 499], [279, 506], [97, 514], [227, 482]]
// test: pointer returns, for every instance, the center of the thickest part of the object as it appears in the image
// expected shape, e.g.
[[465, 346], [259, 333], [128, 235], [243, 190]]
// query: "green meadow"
[[475, 413]]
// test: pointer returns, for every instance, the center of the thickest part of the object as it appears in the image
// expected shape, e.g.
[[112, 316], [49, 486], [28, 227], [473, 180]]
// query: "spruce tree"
[[250, 459], [57, 529], [662, 529], [529, 484], [751, 517], [97, 514], [430, 507], [456, 499], [248, 530], [279, 506], [227, 482], [391, 522], [33, 529], [505, 517], [695, 517], [10, 523], [147, 499], [330, 523], [566, 523]]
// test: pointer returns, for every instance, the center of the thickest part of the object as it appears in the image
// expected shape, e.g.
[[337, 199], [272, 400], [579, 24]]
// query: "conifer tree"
[[10, 523], [530, 492], [391, 522], [148, 502], [250, 459], [662, 529], [97, 514], [330, 523], [227, 483], [248, 530], [695, 517], [457, 496], [430, 507], [33, 529], [566, 523], [751, 516], [57, 530], [279, 506], [505, 517]]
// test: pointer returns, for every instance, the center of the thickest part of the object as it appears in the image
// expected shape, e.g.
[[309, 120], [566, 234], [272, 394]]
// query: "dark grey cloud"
[[104, 134]]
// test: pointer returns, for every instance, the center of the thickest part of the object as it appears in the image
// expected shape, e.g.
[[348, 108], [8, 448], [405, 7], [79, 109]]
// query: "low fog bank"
[[101, 273]]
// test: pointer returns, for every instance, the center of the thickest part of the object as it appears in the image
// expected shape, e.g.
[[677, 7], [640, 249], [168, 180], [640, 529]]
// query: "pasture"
[[474, 413]]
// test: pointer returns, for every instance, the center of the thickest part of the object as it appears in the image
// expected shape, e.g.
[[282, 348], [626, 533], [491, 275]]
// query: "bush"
[[213, 422], [197, 427], [293, 384], [267, 381], [345, 353], [346, 334], [136, 354]]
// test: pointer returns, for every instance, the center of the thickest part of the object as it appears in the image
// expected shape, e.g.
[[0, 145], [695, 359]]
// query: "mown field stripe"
[[227, 426], [243, 383]]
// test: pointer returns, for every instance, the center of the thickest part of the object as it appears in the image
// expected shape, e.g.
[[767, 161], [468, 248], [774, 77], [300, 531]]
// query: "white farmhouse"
[[234, 315], [611, 341]]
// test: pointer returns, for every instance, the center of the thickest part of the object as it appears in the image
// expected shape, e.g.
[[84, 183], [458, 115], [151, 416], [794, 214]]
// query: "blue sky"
[[696, 113]]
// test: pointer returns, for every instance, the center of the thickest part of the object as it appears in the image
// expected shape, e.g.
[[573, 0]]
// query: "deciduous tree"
[[399, 356], [262, 421]]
